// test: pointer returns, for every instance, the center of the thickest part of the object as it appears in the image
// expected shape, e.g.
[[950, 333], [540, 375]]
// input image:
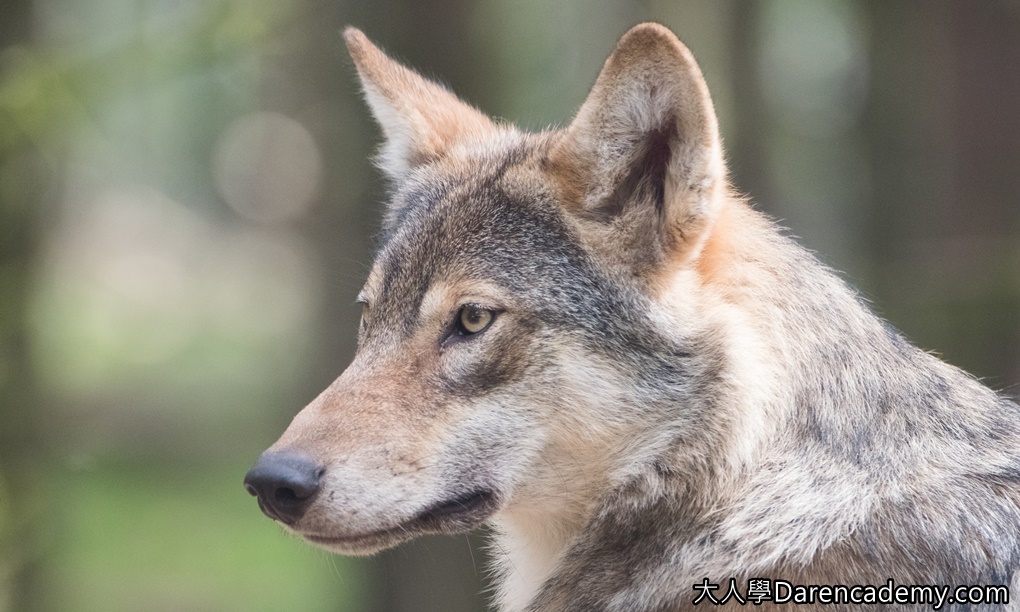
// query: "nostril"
[[286, 496]]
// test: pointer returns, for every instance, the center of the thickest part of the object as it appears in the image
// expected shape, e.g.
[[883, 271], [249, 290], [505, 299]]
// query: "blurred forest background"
[[187, 210]]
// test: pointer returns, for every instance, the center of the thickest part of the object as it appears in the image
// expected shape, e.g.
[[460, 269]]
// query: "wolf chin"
[[582, 338]]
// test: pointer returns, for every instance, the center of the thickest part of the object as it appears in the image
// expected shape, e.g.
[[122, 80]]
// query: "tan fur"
[[717, 252]]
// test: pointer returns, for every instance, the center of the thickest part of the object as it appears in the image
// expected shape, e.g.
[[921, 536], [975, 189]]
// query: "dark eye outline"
[[458, 333], [364, 311]]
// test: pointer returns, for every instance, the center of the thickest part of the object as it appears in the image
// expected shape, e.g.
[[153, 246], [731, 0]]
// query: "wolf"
[[584, 339]]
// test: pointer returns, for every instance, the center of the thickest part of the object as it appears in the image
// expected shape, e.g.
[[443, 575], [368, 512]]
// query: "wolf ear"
[[420, 119], [641, 164]]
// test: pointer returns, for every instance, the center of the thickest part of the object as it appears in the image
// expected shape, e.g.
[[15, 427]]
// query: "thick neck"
[[714, 437]]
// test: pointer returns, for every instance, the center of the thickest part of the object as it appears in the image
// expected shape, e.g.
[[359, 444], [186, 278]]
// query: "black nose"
[[284, 483]]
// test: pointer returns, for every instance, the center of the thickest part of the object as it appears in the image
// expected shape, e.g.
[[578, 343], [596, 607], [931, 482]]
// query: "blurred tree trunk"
[[442, 573], [746, 148], [434, 574], [984, 197], [20, 218], [941, 129]]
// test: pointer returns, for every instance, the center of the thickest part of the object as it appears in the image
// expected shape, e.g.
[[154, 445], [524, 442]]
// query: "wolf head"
[[533, 305]]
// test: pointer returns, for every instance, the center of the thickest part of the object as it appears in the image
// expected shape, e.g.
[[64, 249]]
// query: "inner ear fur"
[[642, 157]]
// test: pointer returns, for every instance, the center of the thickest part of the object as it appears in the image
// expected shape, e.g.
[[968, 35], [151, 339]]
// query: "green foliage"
[[156, 536]]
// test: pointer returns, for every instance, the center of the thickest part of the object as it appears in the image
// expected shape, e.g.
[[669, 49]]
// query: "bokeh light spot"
[[267, 167]]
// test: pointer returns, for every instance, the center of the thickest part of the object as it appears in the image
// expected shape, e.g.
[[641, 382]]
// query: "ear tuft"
[[421, 120]]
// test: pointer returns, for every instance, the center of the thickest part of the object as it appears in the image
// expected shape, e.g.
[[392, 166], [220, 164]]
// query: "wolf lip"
[[462, 505], [364, 540], [456, 514]]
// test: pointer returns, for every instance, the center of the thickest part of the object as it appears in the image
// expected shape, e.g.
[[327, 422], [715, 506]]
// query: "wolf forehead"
[[488, 217]]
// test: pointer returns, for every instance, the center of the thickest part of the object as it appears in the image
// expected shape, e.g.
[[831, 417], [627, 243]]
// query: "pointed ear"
[[641, 165], [420, 119]]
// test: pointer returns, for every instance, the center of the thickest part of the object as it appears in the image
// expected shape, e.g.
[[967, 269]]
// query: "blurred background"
[[187, 211]]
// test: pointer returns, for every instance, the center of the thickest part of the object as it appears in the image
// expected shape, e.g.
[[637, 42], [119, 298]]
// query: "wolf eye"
[[364, 316], [473, 319]]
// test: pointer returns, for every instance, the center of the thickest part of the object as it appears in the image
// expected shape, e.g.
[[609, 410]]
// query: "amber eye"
[[473, 319]]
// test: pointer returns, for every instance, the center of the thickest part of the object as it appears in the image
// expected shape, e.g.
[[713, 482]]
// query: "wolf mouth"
[[460, 508], [457, 514]]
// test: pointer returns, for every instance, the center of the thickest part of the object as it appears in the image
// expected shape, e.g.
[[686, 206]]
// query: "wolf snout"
[[285, 482]]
